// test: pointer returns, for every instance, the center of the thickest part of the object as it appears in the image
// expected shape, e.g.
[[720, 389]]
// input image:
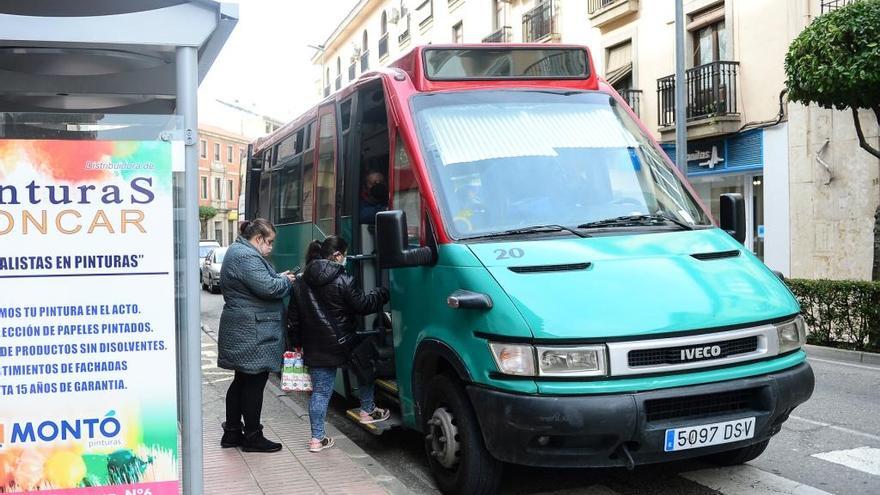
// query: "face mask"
[[379, 192]]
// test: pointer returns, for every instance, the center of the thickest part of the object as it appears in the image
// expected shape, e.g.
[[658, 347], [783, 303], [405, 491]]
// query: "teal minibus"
[[560, 296]]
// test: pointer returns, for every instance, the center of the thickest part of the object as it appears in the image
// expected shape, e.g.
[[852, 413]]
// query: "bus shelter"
[[99, 228]]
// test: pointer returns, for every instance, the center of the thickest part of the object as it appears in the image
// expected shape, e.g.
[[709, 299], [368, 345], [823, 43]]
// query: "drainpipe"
[[680, 87]]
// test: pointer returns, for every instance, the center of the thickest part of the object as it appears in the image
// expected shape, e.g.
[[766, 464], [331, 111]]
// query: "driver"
[[374, 197]]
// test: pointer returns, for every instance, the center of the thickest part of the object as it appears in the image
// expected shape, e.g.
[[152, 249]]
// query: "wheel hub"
[[443, 438]]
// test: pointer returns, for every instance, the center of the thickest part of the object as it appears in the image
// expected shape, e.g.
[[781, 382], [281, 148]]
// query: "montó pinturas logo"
[[103, 431]]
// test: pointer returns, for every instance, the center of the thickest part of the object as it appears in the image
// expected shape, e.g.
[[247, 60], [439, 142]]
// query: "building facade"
[[221, 154], [743, 134]]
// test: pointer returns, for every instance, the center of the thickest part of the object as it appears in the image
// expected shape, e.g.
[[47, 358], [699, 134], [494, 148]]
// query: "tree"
[[206, 213], [835, 63]]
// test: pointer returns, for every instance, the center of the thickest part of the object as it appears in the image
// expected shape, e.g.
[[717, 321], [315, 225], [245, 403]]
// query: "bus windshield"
[[502, 160]]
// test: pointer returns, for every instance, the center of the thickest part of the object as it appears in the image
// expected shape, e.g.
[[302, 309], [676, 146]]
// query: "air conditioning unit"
[[355, 51], [395, 15]]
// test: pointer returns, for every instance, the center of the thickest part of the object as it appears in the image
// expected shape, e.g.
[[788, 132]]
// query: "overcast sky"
[[266, 61]]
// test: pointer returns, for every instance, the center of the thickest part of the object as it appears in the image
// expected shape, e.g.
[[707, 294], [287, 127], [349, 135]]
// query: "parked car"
[[205, 247], [211, 270]]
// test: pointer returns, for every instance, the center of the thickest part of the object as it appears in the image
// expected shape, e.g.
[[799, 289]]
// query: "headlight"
[[514, 359], [572, 361], [792, 334]]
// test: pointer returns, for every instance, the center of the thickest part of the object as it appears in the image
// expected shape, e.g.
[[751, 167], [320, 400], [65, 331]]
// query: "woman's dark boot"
[[254, 441], [232, 436]]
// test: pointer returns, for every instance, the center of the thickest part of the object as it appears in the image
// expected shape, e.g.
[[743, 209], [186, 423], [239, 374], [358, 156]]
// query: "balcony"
[[603, 12], [383, 46], [540, 24], [500, 36], [404, 36], [338, 84], [711, 101], [365, 61], [352, 71], [633, 98], [829, 5]]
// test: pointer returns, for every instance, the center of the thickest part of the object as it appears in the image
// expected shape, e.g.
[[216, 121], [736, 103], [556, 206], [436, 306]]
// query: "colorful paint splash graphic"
[[66, 161]]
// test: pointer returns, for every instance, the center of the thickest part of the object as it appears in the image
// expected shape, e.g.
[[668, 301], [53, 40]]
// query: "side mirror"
[[391, 242], [733, 215]]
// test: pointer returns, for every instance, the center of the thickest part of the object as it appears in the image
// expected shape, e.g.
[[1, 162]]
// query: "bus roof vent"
[[549, 268], [717, 255]]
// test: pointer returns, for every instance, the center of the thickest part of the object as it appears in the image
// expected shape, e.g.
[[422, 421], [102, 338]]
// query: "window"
[[218, 231], [365, 53], [709, 33], [217, 192], [228, 153], [326, 174], [232, 232], [427, 8], [383, 35], [306, 138], [203, 148], [383, 24], [498, 14], [204, 186], [229, 191], [457, 33], [216, 152], [619, 66], [406, 193]]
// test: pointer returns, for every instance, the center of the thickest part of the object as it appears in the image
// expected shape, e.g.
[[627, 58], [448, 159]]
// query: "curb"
[[843, 355]]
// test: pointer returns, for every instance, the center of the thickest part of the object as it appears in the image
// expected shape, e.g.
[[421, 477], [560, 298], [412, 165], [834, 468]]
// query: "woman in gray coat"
[[251, 337]]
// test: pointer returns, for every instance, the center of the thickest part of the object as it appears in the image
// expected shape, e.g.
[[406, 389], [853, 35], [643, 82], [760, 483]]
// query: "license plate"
[[693, 437]]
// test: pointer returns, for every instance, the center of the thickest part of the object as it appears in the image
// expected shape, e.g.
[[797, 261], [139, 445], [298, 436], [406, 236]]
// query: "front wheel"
[[457, 456], [738, 456]]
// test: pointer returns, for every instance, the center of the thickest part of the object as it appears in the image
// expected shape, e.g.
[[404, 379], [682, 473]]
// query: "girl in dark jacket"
[[323, 307]]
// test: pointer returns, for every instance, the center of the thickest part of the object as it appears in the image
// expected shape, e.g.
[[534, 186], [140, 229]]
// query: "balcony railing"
[[352, 71], [338, 84], [365, 61], [711, 92], [595, 5], [829, 5], [383, 45], [404, 36], [633, 98], [539, 23], [500, 36]]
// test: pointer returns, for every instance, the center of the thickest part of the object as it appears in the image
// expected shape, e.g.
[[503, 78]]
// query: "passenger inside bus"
[[373, 197]]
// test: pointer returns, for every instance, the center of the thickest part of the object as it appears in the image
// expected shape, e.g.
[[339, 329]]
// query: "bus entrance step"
[[389, 385], [375, 428]]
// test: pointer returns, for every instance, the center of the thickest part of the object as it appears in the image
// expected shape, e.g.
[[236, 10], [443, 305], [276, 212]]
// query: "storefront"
[[735, 163]]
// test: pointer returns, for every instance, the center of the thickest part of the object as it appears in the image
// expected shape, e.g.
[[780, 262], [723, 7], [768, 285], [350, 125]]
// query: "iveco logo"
[[710, 351]]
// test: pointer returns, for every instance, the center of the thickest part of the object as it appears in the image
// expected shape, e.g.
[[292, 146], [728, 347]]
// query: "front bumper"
[[588, 431]]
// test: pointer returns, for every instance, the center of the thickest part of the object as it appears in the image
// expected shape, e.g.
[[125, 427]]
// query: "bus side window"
[[326, 176], [264, 206], [308, 176], [406, 192]]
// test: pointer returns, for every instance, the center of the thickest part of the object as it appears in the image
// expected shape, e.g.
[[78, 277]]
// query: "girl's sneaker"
[[377, 415], [317, 446]]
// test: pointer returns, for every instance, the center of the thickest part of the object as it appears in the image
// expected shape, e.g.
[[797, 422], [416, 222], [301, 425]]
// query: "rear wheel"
[[741, 455], [457, 456]]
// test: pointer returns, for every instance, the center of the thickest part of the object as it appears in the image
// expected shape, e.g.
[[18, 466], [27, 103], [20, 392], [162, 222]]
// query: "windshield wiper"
[[534, 229], [634, 221]]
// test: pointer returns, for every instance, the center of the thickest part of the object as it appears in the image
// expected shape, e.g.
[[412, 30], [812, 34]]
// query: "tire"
[[204, 285], [738, 456], [214, 288], [476, 471]]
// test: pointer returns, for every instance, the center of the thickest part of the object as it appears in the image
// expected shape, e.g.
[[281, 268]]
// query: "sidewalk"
[[343, 469]]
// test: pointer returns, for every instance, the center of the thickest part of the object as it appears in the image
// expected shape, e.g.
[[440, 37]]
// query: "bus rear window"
[[511, 63]]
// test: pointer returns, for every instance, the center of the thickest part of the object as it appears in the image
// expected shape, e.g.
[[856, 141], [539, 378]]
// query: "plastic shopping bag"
[[294, 375]]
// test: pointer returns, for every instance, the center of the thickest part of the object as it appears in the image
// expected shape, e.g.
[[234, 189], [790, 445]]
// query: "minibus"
[[560, 296]]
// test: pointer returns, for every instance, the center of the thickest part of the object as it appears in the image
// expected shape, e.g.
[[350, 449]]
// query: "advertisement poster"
[[87, 359]]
